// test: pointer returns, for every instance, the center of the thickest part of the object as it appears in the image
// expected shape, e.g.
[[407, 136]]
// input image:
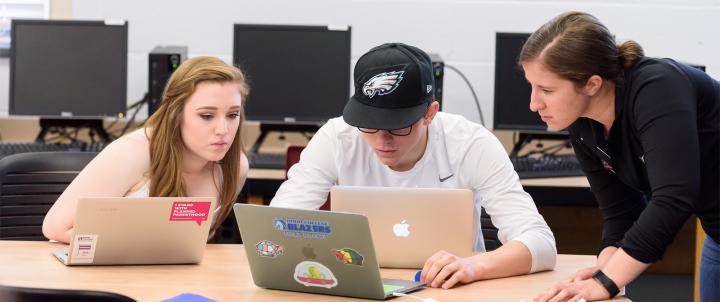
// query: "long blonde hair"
[[166, 144]]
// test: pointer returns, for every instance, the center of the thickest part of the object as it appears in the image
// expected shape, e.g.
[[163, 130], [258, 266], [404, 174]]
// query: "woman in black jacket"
[[646, 133]]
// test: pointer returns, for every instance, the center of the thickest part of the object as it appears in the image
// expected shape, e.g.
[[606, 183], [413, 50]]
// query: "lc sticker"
[[84, 249], [190, 210], [348, 256], [266, 248], [311, 273]]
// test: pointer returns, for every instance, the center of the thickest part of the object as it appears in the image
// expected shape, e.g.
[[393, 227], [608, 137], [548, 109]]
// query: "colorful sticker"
[[197, 211], [84, 249], [311, 273], [316, 229], [348, 256], [266, 248]]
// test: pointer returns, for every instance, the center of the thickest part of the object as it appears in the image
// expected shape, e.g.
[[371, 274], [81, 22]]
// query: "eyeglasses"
[[396, 132]]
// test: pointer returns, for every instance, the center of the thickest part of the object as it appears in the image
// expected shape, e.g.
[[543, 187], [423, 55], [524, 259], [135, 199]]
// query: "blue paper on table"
[[187, 297]]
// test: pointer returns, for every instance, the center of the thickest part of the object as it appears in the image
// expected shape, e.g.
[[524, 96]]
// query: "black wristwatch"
[[607, 283]]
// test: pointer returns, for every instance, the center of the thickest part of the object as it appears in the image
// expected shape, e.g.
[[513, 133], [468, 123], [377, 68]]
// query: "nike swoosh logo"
[[446, 178]]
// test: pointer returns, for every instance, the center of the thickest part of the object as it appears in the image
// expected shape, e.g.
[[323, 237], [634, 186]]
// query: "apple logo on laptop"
[[401, 229], [308, 252]]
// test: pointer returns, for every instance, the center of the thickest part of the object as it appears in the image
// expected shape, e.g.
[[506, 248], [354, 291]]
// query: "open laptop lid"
[[313, 251], [152, 230], [411, 224]]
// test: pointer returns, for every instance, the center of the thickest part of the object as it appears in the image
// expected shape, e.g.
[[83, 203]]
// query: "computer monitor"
[[297, 74], [68, 69], [512, 91]]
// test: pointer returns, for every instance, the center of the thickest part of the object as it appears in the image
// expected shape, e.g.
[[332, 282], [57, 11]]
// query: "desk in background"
[[224, 275], [572, 191]]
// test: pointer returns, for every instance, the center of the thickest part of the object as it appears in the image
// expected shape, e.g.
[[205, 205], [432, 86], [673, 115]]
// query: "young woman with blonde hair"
[[190, 146]]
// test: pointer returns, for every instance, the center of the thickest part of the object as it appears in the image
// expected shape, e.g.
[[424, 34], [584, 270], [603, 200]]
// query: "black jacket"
[[659, 162]]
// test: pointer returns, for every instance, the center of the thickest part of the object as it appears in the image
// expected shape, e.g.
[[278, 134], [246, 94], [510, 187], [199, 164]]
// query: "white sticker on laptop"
[[84, 249], [311, 273]]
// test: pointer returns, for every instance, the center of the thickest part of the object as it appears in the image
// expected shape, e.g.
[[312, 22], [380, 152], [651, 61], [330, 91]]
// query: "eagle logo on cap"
[[382, 84]]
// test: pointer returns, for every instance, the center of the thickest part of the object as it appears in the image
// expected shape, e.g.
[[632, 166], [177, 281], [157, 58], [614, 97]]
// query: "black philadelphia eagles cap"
[[394, 85]]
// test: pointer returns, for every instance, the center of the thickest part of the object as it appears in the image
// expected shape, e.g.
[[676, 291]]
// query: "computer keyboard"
[[266, 160], [547, 166], [13, 148]]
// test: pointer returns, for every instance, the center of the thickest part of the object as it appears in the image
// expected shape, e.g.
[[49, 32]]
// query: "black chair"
[[29, 185], [27, 294], [489, 231]]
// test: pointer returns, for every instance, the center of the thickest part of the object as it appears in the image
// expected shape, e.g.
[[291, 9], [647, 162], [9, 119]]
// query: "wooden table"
[[224, 276]]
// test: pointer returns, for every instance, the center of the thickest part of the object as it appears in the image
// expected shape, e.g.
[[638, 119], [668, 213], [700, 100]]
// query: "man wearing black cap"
[[392, 135]]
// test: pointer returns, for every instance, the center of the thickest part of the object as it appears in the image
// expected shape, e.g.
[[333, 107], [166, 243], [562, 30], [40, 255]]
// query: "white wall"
[[462, 32]]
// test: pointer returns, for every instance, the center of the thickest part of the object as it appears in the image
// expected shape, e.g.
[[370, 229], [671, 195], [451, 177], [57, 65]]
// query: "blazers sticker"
[[348, 256], [84, 249], [316, 229], [311, 273], [266, 248], [197, 211]]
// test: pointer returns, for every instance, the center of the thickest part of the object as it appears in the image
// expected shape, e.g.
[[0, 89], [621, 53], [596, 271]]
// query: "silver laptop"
[[154, 230], [317, 252], [411, 224]]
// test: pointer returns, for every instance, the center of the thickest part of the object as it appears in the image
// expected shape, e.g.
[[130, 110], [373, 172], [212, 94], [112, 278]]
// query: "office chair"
[[292, 157], [27, 294], [489, 232], [29, 185]]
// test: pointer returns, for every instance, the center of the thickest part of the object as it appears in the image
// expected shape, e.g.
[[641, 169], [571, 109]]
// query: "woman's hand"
[[574, 291], [584, 273]]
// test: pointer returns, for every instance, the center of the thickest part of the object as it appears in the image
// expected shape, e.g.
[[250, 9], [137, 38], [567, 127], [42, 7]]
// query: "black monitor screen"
[[68, 68], [297, 74], [512, 91]]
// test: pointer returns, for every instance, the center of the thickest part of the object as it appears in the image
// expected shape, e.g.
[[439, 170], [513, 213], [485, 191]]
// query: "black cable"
[[307, 135], [518, 146], [137, 107], [92, 134], [117, 119], [477, 102], [550, 150], [60, 133], [564, 145]]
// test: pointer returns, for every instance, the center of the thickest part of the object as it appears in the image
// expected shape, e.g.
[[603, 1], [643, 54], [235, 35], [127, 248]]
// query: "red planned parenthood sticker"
[[197, 211]]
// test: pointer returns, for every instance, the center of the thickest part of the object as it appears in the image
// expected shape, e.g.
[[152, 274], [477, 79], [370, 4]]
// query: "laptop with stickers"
[[317, 252], [152, 230], [411, 224]]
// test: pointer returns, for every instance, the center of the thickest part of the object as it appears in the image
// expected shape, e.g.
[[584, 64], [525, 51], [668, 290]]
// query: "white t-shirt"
[[461, 153]]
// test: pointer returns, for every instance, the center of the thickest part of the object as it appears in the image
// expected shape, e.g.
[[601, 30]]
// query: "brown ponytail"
[[576, 46], [629, 52]]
